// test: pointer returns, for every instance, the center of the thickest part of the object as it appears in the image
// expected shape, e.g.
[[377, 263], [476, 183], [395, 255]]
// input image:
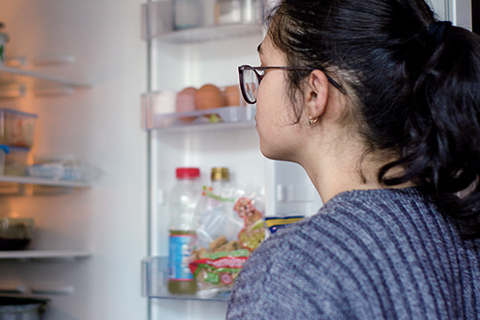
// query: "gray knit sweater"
[[373, 254]]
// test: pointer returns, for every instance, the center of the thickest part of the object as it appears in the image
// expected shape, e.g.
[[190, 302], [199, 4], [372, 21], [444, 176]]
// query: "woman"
[[380, 103]]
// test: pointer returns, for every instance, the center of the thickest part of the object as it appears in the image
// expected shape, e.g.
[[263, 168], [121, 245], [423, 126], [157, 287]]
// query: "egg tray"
[[211, 117]]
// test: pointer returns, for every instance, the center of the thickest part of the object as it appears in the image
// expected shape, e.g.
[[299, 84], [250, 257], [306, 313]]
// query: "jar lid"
[[187, 173], [220, 173]]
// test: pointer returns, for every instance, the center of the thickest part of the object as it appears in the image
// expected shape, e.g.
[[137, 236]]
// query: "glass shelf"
[[43, 254], [155, 283], [15, 82], [43, 182]]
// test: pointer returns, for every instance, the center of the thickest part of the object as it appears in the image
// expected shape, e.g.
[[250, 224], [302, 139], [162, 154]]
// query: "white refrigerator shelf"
[[44, 182], [16, 82], [41, 76], [44, 254]]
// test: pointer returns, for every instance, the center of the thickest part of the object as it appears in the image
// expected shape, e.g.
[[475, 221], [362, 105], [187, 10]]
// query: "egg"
[[232, 95], [209, 96], [186, 103]]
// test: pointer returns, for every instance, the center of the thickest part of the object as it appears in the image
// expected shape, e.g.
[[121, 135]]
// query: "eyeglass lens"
[[250, 85]]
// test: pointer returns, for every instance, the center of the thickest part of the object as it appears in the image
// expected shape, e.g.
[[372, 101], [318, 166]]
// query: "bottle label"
[[180, 250]]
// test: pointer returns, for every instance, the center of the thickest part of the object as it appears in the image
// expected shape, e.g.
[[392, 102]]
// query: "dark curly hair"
[[416, 91]]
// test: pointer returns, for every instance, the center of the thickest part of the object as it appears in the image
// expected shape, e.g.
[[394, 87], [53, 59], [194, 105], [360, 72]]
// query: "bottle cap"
[[220, 173], [187, 173]]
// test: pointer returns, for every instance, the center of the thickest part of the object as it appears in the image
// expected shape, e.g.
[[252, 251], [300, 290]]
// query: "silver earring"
[[311, 120]]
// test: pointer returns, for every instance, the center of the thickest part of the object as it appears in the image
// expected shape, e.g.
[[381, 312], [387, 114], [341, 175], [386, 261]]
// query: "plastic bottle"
[[182, 239], [215, 216]]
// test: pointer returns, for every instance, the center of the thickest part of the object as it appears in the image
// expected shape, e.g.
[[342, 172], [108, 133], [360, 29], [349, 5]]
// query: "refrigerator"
[[97, 73]]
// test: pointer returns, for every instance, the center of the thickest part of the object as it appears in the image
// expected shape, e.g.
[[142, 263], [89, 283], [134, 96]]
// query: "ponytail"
[[444, 127]]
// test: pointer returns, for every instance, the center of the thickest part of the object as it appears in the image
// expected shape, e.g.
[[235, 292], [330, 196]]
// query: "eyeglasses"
[[250, 78]]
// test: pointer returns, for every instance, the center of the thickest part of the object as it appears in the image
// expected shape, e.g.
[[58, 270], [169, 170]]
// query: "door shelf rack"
[[155, 277], [158, 24]]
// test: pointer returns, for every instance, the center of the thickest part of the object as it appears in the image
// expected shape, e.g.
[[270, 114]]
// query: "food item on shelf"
[[209, 96], [276, 223], [182, 238], [253, 234], [228, 11], [216, 268], [186, 103], [63, 167], [229, 227], [4, 149], [214, 214], [17, 161], [187, 14], [15, 233], [232, 95], [18, 128]]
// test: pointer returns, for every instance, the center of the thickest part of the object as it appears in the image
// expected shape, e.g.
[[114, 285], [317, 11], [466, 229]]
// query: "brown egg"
[[232, 95], [186, 102], [209, 96]]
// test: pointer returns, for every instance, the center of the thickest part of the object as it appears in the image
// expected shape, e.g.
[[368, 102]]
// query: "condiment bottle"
[[182, 239]]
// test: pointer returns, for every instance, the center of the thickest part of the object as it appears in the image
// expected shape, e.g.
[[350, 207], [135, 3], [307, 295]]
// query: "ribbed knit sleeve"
[[367, 254]]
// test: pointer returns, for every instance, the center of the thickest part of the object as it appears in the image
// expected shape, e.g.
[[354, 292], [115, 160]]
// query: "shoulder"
[[344, 249]]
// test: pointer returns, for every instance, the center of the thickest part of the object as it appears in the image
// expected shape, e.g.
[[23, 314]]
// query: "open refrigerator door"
[[188, 61], [183, 60]]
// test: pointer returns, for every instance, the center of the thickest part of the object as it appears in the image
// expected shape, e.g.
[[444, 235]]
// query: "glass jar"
[[228, 11]]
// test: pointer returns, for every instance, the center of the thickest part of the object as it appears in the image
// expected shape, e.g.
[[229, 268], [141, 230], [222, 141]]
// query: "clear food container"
[[15, 233], [4, 149], [17, 161], [17, 128]]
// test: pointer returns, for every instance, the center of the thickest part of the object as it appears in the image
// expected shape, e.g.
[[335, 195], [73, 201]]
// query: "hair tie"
[[438, 29]]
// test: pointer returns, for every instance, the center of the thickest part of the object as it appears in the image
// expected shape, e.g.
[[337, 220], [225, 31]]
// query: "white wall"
[[100, 125]]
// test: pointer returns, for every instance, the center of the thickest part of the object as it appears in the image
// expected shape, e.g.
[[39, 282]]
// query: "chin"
[[272, 155]]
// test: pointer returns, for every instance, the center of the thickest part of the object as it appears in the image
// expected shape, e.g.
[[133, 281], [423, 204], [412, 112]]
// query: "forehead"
[[269, 53]]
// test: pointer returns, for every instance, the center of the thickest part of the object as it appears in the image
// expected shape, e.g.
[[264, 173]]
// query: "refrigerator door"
[[88, 242], [192, 58]]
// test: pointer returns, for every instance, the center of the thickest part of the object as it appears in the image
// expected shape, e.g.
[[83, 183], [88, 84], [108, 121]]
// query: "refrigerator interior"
[[93, 237]]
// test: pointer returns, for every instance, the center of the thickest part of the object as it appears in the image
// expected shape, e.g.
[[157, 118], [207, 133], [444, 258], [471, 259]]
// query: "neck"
[[345, 169]]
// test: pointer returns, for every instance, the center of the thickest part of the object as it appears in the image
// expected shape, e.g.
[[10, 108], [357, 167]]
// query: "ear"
[[316, 94]]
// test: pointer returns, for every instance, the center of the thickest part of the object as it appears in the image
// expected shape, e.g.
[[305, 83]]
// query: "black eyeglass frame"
[[242, 68]]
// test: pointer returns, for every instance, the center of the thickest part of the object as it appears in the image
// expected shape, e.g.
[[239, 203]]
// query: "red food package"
[[218, 270]]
